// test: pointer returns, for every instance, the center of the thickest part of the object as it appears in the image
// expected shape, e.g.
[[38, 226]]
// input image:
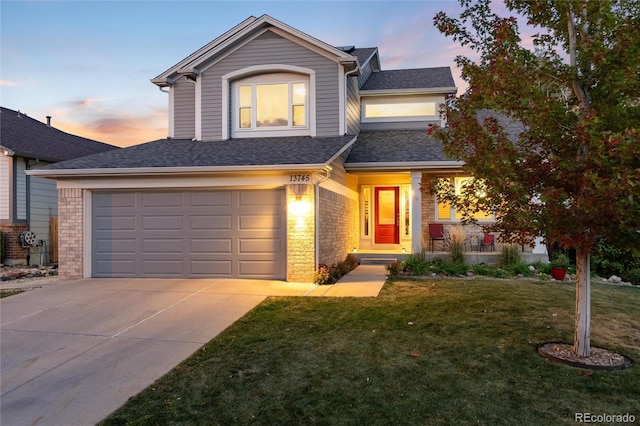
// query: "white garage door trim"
[[189, 234]]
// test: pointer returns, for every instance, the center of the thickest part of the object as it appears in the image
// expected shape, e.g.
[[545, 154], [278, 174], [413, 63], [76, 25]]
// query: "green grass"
[[349, 361], [7, 293]]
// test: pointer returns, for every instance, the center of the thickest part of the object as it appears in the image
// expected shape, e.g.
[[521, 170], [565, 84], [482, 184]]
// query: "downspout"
[[316, 203]]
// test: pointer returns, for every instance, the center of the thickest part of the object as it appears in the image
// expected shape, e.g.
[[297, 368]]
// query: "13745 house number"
[[300, 178]]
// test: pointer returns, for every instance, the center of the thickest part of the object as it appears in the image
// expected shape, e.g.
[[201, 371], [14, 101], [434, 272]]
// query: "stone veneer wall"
[[70, 249], [14, 254], [338, 226], [300, 235]]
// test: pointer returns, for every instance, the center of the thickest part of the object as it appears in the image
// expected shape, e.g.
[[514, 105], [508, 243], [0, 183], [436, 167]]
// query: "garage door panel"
[[258, 268], [217, 198], [212, 222], [165, 245], [117, 268], [124, 246], [218, 246], [250, 222], [158, 222], [259, 198], [161, 199], [162, 268], [208, 268], [254, 245], [122, 223], [231, 234]]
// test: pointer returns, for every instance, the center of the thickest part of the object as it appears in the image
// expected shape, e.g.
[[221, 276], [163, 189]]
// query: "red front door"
[[387, 224]]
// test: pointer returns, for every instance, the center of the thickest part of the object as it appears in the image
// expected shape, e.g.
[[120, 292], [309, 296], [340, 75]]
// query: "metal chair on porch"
[[436, 233], [488, 241]]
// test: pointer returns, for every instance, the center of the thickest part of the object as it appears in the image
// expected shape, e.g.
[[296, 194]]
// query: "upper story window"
[[399, 108], [271, 102]]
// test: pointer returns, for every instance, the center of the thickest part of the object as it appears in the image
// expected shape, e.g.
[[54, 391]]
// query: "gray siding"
[[5, 193], [21, 189], [365, 73], [184, 104], [43, 205], [270, 48], [353, 107]]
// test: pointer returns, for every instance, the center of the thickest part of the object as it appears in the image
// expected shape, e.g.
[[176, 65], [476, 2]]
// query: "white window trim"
[[228, 78]]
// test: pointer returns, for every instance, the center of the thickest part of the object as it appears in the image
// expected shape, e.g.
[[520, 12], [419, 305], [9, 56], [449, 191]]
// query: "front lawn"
[[429, 351]]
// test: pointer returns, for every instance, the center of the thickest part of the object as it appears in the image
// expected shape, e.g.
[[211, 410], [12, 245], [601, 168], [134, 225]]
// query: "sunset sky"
[[88, 64]]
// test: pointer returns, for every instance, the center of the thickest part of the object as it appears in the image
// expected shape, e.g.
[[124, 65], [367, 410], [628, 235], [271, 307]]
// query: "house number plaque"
[[300, 178]]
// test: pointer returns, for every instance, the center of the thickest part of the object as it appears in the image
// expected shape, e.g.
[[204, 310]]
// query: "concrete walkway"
[[72, 352]]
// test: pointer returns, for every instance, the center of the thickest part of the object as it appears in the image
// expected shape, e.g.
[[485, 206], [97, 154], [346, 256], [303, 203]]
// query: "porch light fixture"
[[299, 207]]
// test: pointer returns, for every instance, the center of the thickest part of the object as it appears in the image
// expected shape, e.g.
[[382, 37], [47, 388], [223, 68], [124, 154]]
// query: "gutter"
[[150, 171], [391, 92], [402, 166]]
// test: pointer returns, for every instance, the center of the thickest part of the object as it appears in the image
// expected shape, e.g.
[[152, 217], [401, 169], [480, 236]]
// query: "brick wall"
[[70, 248], [300, 234], [337, 226], [15, 254]]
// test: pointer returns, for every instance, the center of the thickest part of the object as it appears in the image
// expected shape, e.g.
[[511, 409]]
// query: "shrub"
[[609, 261], [455, 268], [456, 248], [520, 269], [331, 274], [394, 268], [416, 263], [633, 276], [321, 276], [510, 254]]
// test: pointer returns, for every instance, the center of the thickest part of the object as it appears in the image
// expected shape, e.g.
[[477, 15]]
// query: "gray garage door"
[[197, 234]]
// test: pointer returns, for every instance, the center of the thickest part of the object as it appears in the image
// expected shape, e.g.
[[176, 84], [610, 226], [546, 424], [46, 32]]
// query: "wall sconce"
[[299, 207]]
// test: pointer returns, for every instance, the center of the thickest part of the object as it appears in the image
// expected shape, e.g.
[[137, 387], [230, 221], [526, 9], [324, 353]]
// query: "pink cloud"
[[7, 83]]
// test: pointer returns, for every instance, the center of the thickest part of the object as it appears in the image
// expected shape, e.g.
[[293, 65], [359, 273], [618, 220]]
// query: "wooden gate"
[[53, 239]]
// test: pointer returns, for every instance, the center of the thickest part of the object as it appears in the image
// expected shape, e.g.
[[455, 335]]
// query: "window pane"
[[272, 105], [244, 95], [299, 93], [299, 115], [245, 118], [444, 211], [407, 109]]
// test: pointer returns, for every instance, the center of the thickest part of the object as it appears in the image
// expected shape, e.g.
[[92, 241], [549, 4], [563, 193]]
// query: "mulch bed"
[[9, 273], [598, 359]]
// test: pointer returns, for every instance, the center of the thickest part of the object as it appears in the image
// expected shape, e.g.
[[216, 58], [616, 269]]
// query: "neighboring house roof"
[[193, 64], [397, 149], [364, 54], [176, 155], [30, 138], [437, 79]]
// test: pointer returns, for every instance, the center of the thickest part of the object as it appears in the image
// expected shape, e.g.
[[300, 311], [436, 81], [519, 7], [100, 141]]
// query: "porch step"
[[377, 260]]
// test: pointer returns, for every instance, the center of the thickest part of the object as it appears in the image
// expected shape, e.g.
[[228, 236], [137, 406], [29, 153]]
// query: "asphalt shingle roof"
[[31, 138], [363, 53], [395, 146], [417, 78], [233, 152]]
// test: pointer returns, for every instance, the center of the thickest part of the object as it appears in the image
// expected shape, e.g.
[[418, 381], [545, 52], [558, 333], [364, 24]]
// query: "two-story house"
[[284, 152], [29, 203]]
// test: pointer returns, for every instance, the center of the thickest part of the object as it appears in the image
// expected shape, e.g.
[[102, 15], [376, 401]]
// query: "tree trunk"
[[582, 336]]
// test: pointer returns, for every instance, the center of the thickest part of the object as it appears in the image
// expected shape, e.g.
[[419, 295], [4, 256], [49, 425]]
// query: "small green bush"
[[520, 269], [633, 276], [456, 250], [331, 274], [416, 263], [510, 254], [455, 268]]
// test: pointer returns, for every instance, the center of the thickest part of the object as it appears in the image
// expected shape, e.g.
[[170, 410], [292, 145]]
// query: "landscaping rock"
[[614, 279]]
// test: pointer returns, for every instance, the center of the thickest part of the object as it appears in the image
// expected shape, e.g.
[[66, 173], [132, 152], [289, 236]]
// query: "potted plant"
[[559, 266]]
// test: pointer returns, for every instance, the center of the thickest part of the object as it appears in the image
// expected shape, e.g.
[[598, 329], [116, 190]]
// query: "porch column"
[[416, 212]]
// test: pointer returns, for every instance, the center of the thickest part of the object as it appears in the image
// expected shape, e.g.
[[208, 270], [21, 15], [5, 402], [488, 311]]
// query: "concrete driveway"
[[73, 352]]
